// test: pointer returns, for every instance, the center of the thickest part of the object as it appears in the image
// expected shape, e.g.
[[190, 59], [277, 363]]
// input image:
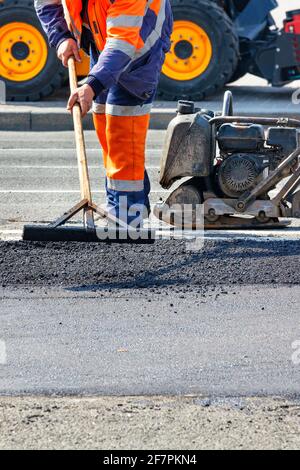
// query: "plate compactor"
[[244, 172]]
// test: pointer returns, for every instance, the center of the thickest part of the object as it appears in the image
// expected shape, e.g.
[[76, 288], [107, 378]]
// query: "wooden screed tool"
[[57, 231]]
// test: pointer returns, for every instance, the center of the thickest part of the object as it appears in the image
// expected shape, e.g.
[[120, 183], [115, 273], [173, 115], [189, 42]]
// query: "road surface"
[[39, 178], [212, 342], [157, 320]]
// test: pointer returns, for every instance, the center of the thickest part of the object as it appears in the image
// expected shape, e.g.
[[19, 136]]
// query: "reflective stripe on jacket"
[[130, 35]]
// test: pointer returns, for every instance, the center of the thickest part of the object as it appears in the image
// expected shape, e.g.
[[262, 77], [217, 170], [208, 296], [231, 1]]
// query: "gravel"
[[168, 423]]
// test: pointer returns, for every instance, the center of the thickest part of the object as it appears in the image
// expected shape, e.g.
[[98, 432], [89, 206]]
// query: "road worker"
[[127, 41]]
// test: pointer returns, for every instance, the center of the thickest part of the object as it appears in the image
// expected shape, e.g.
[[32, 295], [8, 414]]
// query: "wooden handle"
[[72, 74], [79, 137]]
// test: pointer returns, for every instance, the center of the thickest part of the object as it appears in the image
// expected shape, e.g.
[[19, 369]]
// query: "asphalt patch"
[[167, 264]]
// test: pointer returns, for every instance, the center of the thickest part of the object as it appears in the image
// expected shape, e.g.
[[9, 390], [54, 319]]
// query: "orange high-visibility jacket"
[[130, 35]]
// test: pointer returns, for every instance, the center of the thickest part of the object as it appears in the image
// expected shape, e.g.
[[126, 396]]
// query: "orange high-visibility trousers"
[[122, 131]]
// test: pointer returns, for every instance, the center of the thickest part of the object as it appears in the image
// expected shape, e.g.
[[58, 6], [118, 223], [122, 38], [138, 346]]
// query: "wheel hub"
[[23, 51], [183, 50], [191, 52], [20, 51]]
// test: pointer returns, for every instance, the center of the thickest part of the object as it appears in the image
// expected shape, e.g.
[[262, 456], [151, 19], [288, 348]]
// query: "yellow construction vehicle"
[[28, 66], [214, 42], [31, 70]]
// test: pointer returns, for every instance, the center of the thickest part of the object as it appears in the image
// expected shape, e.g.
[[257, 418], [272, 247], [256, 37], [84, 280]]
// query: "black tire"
[[52, 76], [225, 44]]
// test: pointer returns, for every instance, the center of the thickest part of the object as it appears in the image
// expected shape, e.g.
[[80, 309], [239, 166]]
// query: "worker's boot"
[[129, 207]]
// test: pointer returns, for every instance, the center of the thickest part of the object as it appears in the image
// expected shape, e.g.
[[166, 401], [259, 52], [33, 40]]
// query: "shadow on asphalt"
[[227, 254]]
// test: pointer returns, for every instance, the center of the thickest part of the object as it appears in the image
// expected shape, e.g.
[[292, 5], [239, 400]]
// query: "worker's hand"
[[67, 49], [84, 96]]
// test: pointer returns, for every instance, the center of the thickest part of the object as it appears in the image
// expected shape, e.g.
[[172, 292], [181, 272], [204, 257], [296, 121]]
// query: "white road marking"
[[223, 236], [59, 167], [44, 167], [57, 191], [219, 236], [69, 149], [43, 191]]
